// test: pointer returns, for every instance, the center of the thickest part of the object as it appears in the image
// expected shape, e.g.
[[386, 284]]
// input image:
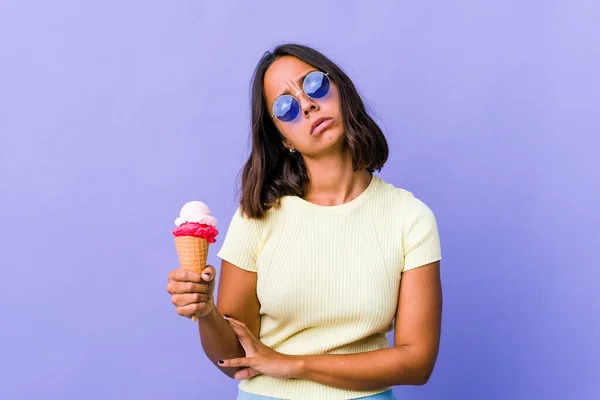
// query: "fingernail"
[[226, 316], [221, 362]]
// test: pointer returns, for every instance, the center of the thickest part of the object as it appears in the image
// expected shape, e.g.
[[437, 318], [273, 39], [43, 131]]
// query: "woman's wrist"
[[211, 313]]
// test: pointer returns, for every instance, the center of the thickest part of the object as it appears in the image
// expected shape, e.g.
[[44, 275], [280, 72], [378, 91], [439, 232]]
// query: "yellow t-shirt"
[[328, 276]]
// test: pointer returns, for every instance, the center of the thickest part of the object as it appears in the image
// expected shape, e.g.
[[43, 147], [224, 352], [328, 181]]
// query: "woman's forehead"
[[284, 70]]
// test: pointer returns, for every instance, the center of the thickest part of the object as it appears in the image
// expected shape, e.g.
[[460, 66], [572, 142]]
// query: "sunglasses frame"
[[295, 95]]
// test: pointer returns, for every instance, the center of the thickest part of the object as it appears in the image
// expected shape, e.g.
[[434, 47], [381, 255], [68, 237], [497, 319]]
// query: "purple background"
[[115, 113]]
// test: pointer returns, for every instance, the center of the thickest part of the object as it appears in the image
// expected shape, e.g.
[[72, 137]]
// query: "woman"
[[322, 258]]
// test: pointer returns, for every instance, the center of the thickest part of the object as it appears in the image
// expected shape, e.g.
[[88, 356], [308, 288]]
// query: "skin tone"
[[229, 331]]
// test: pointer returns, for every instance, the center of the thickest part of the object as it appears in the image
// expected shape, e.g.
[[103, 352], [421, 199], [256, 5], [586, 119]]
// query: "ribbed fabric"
[[328, 276]]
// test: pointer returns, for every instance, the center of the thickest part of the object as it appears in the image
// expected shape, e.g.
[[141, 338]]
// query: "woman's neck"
[[332, 180]]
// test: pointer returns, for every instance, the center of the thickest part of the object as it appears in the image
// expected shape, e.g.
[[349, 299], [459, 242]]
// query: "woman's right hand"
[[191, 292]]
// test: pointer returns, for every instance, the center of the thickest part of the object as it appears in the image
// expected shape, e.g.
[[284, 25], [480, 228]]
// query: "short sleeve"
[[421, 236], [242, 242]]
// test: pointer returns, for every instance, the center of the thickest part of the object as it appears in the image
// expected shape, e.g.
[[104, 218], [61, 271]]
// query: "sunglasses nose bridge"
[[306, 102]]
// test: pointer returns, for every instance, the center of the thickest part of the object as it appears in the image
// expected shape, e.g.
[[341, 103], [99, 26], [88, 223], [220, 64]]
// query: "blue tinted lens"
[[285, 108], [316, 84]]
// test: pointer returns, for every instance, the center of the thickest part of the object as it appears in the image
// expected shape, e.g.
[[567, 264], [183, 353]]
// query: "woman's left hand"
[[260, 359]]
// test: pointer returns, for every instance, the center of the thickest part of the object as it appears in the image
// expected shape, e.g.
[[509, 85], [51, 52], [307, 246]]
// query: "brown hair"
[[271, 171]]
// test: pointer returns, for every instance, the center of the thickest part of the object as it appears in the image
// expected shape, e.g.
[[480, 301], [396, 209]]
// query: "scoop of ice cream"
[[196, 211], [195, 229]]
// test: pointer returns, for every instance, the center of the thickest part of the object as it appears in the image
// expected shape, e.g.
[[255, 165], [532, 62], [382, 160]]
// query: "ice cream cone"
[[196, 229], [192, 252]]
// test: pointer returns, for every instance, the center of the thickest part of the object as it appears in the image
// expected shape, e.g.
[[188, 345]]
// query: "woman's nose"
[[306, 103]]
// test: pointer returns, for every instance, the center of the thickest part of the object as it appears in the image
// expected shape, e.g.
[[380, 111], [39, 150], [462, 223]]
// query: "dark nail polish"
[[221, 362]]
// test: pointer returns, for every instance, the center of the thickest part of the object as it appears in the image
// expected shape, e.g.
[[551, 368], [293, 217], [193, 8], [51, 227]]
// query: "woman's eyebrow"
[[298, 82]]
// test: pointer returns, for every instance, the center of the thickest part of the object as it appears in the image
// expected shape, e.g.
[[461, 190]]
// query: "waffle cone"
[[192, 252]]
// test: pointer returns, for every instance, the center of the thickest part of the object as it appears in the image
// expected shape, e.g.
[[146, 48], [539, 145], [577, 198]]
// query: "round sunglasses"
[[316, 85]]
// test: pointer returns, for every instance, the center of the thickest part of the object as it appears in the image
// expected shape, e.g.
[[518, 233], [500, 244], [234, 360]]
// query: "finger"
[[233, 321], [246, 373], [237, 326], [239, 331], [185, 275], [176, 287], [236, 362], [246, 340], [209, 273], [240, 325], [182, 300]]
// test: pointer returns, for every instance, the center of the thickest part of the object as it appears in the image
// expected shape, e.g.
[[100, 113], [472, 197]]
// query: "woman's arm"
[[416, 342], [236, 298]]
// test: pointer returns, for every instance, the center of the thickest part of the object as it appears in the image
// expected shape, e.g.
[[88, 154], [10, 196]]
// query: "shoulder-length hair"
[[271, 171]]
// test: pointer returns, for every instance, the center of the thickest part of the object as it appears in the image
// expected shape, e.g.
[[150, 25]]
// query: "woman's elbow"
[[423, 365], [422, 379], [416, 378]]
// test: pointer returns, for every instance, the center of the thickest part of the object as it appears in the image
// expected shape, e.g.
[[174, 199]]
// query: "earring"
[[292, 150]]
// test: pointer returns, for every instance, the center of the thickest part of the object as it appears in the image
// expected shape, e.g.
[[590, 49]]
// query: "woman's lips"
[[320, 125]]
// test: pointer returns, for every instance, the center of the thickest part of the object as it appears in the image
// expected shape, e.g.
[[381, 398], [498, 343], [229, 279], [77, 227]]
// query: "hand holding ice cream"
[[196, 229]]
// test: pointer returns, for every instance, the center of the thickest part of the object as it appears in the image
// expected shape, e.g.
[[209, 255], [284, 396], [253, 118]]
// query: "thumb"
[[209, 273]]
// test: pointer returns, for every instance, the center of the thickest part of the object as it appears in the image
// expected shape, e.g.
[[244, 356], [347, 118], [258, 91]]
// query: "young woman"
[[322, 258]]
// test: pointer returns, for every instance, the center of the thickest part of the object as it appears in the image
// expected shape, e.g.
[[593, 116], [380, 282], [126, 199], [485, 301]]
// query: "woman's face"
[[304, 133]]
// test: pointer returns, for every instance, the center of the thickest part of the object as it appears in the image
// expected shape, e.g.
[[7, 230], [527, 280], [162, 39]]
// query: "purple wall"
[[115, 113]]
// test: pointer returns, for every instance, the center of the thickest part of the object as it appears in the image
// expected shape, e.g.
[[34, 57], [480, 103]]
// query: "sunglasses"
[[316, 85]]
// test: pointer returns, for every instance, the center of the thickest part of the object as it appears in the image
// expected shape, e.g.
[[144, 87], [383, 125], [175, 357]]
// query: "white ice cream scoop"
[[195, 211]]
